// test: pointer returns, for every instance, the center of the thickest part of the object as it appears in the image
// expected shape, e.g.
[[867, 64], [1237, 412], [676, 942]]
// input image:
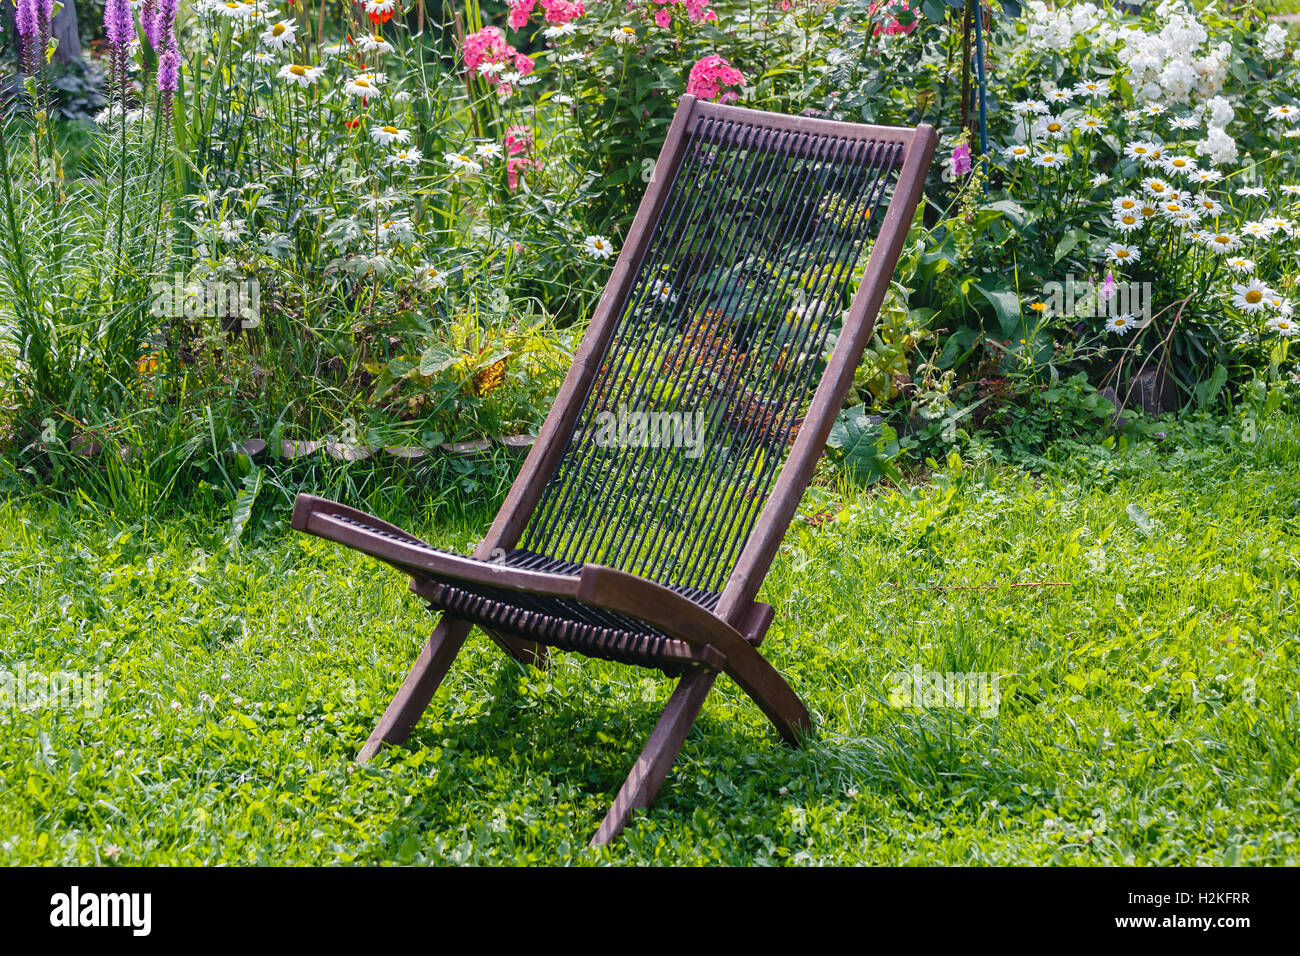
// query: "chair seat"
[[527, 595]]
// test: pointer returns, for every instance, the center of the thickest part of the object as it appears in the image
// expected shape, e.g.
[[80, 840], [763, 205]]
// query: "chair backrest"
[[722, 349]]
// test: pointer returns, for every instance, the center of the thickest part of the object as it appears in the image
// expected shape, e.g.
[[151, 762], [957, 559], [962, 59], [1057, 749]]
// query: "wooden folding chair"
[[654, 499]]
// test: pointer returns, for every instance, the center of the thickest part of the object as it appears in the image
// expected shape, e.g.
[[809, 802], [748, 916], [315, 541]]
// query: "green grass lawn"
[[1149, 711]]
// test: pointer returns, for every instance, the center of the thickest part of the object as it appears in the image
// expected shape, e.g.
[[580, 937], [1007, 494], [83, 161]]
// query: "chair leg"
[[660, 751], [419, 687]]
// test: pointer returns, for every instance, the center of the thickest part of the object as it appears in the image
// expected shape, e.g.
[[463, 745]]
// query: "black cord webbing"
[[735, 299]]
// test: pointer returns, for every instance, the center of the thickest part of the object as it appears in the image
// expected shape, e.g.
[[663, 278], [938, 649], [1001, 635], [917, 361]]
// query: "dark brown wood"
[[660, 751], [417, 690], [611, 613]]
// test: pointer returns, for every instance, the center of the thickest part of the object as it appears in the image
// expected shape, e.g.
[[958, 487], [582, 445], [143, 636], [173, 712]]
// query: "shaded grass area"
[[1148, 711]]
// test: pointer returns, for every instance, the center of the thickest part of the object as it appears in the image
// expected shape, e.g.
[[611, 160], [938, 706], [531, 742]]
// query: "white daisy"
[[1156, 187], [1290, 190], [1028, 106], [1121, 324], [1250, 297], [363, 86], [1283, 325], [1049, 160], [1017, 153], [1122, 253], [374, 44], [1259, 192], [300, 74], [1223, 241], [488, 151], [280, 36], [597, 247], [407, 158], [1051, 127], [1058, 96], [1178, 165], [1289, 114], [388, 135], [461, 162], [1208, 206], [1127, 222], [429, 276], [1207, 176], [1185, 122], [1101, 179], [1241, 265], [623, 35], [1092, 88], [1090, 124]]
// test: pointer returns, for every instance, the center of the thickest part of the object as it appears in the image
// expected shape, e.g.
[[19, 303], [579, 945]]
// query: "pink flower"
[[488, 47], [893, 28], [559, 12], [1108, 287], [520, 11], [663, 18], [523, 64], [709, 76], [514, 166], [518, 140], [961, 160]]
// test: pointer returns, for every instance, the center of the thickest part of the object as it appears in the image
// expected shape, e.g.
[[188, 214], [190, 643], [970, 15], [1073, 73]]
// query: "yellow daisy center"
[[1254, 296], [390, 129], [278, 29], [297, 70]]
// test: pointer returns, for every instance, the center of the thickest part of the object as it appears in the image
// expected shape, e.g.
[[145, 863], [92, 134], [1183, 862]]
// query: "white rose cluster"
[[1169, 65], [1056, 29], [1273, 44]]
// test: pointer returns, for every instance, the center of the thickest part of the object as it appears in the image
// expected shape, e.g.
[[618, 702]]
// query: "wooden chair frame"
[[704, 642]]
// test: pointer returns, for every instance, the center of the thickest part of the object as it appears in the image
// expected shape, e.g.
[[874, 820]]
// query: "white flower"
[[1099, 180], [1017, 153], [1223, 241], [366, 85], [1257, 191], [1090, 124], [1208, 206], [281, 35], [1122, 253], [300, 74], [1156, 187], [232, 9], [1283, 325], [387, 135], [380, 7], [1256, 230], [430, 277], [260, 56], [1050, 126], [1029, 106], [1148, 153], [1178, 165], [597, 247], [1289, 114], [1243, 266], [1207, 176], [393, 231], [1273, 44], [334, 49], [1092, 88], [1121, 324], [374, 44], [623, 35], [1049, 160], [560, 30], [1185, 122], [461, 163], [1127, 222], [488, 151], [409, 158], [1058, 96], [1290, 190], [1250, 297]]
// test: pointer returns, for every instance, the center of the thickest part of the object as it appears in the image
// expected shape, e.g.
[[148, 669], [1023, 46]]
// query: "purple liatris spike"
[[165, 20], [119, 25], [149, 23], [29, 29], [1108, 287], [169, 68]]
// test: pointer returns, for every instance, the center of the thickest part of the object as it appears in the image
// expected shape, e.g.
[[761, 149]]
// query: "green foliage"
[[1146, 714]]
